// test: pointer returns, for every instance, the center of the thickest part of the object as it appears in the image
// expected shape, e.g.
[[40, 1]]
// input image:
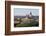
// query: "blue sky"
[[25, 11]]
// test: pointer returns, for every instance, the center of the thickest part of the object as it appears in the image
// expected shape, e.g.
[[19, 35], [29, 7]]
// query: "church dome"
[[30, 15]]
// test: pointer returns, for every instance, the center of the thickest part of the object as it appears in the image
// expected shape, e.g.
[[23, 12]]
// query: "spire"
[[30, 13]]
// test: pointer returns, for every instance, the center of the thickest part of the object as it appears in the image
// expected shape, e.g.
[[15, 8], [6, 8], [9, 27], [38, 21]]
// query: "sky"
[[25, 11]]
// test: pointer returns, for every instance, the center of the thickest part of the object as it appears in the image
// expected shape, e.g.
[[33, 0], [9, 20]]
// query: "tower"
[[30, 15]]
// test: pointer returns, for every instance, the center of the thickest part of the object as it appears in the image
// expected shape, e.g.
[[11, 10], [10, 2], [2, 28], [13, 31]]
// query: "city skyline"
[[25, 11]]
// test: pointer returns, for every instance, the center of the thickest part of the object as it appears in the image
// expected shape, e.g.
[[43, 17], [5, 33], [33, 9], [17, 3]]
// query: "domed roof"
[[30, 13]]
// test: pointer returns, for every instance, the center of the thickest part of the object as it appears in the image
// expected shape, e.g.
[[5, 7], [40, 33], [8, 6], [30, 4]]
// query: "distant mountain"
[[33, 17], [19, 16]]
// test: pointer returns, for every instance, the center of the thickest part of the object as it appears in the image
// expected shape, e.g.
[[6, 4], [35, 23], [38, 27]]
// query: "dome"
[[30, 13]]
